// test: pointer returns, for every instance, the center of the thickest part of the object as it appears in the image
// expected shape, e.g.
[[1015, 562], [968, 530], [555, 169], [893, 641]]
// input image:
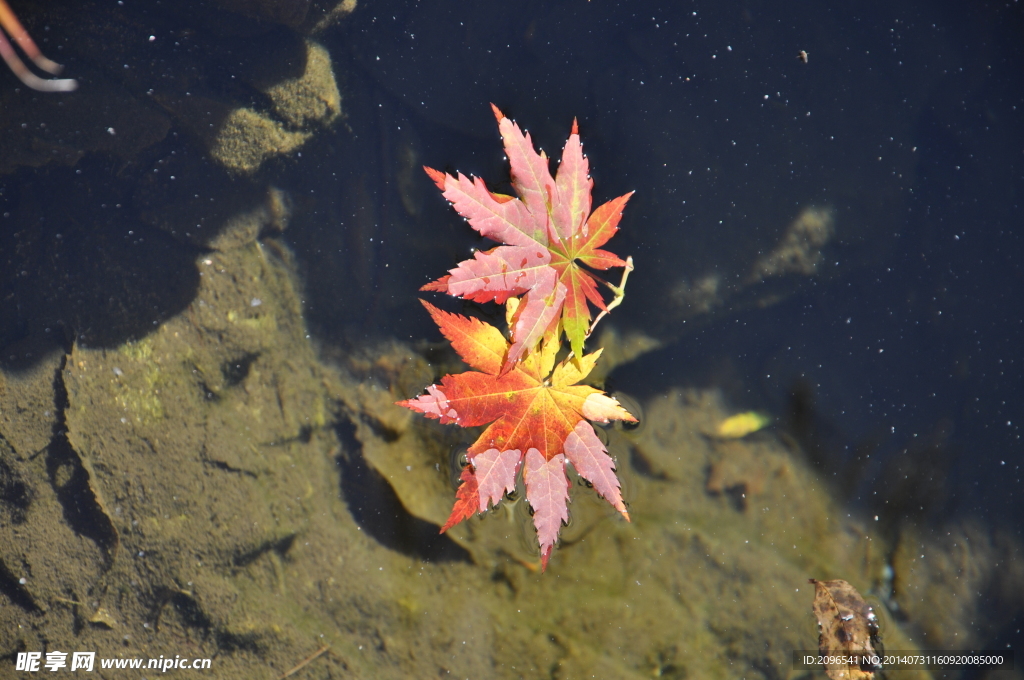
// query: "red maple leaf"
[[536, 412], [546, 233]]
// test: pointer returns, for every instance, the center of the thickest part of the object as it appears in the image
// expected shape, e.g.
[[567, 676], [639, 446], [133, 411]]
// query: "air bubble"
[[457, 460]]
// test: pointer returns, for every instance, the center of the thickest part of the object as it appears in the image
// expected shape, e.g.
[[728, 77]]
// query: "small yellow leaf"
[[742, 424]]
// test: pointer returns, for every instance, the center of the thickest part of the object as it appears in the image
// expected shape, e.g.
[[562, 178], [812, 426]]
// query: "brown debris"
[[846, 626], [743, 471]]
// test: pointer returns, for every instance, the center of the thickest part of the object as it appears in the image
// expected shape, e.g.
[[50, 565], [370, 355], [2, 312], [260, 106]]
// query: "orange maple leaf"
[[537, 414]]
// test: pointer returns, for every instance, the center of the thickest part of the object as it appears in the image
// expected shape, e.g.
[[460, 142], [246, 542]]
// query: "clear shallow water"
[[905, 121], [892, 358]]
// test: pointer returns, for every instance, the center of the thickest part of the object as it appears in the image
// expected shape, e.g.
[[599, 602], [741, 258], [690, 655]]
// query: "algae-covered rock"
[[215, 486], [144, 71], [195, 484], [298, 81], [246, 138], [938, 581], [299, 105], [192, 458], [311, 98]]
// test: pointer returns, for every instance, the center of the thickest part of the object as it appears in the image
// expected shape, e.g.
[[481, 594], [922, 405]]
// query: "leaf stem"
[[620, 294]]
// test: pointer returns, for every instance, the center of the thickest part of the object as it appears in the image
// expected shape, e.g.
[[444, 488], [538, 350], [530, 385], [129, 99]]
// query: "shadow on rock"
[[377, 509], [77, 265]]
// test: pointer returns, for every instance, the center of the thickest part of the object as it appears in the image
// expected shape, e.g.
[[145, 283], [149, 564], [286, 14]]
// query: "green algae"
[[230, 535]]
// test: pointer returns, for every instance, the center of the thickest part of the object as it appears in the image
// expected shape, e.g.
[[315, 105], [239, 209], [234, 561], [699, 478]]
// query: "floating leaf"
[[532, 415], [546, 232]]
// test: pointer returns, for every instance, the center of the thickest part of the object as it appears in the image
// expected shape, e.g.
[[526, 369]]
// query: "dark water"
[[896, 363], [905, 118]]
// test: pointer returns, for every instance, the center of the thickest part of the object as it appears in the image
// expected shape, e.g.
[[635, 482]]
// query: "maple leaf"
[[546, 233], [535, 414]]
